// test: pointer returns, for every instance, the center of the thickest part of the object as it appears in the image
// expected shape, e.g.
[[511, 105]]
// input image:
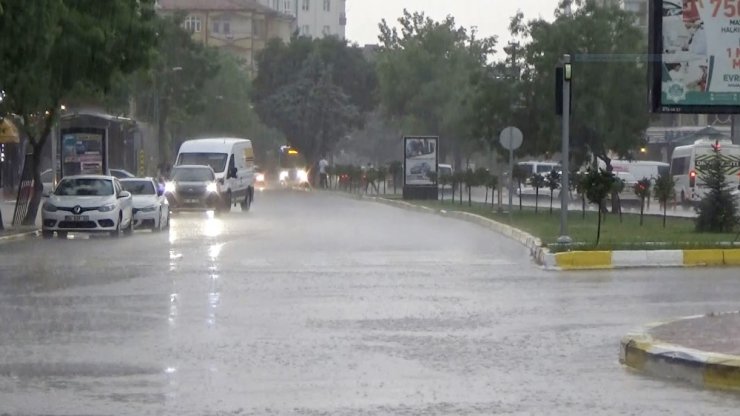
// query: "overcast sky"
[[490, 16]]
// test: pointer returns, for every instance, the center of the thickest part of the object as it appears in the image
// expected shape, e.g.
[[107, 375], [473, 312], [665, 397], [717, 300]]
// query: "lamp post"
[[565, 179]]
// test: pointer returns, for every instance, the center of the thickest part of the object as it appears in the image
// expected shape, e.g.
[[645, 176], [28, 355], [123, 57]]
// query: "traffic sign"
[[511, 138]]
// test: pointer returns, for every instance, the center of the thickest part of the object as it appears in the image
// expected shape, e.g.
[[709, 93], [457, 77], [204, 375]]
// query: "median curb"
[[640, 351]]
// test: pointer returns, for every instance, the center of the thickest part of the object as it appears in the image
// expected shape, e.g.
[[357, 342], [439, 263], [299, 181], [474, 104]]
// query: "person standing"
[[323, 177]]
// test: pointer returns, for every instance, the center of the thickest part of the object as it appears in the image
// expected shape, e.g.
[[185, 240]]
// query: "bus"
[[292, 169], [688, 163]]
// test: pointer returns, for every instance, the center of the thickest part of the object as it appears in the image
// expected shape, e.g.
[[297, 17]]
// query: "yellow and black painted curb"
[[641, 352]]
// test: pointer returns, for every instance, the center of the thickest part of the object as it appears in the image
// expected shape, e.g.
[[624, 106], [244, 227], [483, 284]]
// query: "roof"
[[89, 177], [220, 5]]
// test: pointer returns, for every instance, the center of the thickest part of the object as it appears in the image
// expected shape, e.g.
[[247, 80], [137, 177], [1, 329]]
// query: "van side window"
[[680, 166], [231, 163]]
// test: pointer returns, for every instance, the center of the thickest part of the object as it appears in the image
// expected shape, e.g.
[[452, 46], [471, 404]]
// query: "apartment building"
[[314, 18]]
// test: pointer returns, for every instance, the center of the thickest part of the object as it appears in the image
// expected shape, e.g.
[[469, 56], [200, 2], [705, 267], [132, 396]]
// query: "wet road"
[[321, 305]]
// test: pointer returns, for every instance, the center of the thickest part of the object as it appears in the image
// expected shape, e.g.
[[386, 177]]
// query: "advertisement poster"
[[82, 153], [421, 160], [699, 68]]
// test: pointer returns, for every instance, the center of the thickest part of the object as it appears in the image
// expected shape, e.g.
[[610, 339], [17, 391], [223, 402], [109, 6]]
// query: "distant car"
[[259, 181], [87, 203], [121, 174], [151, 209], [193, 187]]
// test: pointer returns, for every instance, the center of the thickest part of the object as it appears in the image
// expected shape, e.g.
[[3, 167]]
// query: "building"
[[315, 18], [240, 27]]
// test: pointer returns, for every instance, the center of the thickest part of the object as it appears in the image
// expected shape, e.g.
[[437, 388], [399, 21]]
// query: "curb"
[[641, 352], [21, 235], [583, 260]]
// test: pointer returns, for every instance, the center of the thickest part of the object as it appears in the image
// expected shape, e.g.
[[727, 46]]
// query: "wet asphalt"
[[315, 304]]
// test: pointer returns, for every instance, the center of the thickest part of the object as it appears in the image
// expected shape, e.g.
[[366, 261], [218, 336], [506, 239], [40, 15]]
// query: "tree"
[[315, 91], [520, 176], [537, 182], [395, 168], [444, 180], [717, 210], [50, 48], [383, 176], [642, 190], [597, 184], [664, 191], [471, 180], [492, 183], [605, 87], [482, 175], [458, 179], [552, 182], [580, 185], [617, 188], [424, 75]]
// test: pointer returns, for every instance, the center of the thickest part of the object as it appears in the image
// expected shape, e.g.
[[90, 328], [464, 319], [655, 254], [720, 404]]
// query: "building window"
[[215, 26], [192, 24], [326, 31], [305, 30], [258, 28], [226, 26], [327, 5], [306, 6], [288, 7]]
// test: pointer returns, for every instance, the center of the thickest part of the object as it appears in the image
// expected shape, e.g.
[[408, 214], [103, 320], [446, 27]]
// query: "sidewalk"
[[7, 208], [701, 350]]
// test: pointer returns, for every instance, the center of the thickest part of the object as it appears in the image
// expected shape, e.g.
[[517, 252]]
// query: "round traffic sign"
[[511, 138]]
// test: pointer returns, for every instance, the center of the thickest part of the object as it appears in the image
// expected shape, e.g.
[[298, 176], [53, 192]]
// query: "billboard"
[[83, 151], [695, 45], [420, 160]]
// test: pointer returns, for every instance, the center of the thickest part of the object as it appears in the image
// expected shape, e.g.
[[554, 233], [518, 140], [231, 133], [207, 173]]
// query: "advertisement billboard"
[[695, 45], [83, 152], [420, 167], [421, 160]]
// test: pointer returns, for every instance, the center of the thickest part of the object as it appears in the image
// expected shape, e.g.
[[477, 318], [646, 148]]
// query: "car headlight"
[[169, 187], [49, 207], [149, 208], [107, 208], [284, 175], [212, 187], [260, 177], [302, 175]]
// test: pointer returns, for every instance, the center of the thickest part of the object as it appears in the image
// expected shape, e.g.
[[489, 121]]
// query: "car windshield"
[[84, 187], [192, 175], [139, 187], [217, 161]]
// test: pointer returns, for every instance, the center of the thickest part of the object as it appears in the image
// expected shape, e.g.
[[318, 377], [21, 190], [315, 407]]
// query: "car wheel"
[[117, 232], [159, 226], [227, 202], [47, 235], [130, 228]]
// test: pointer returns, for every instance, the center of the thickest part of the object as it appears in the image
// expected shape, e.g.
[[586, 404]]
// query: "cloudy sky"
[[490, 16]]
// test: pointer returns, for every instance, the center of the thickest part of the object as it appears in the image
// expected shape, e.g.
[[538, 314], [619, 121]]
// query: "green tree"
[[717, 210], [598, 183], [51, 48], [314, 91], [458, 180], [444, 180], [471, 180], [482, 175], [424, 72], [537, 181], [607, 80], [664, 191], [642, 190], [520, 176], [492, 182], [552, 182]]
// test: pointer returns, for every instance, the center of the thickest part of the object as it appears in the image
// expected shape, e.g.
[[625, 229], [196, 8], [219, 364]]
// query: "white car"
[[151, 209], [87, 203]]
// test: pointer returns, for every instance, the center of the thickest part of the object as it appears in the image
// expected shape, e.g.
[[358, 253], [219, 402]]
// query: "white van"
[[541, 168], [688, 164], [232, 160]]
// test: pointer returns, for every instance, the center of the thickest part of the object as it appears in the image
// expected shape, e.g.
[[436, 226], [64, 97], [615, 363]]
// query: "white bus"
[[688, 163]]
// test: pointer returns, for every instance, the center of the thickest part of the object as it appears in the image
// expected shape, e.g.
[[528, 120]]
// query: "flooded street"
[[317, 304]]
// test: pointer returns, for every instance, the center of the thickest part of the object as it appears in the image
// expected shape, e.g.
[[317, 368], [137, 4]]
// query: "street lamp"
[[565, 179]]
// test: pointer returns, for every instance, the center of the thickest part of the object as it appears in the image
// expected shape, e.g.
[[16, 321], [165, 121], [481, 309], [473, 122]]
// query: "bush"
[[718, 208]]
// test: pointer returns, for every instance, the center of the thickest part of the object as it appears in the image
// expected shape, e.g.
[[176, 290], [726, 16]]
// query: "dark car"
[[193, 187]]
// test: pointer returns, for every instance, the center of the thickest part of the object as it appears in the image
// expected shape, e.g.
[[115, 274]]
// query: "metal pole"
[[565, 182], [511, 182]]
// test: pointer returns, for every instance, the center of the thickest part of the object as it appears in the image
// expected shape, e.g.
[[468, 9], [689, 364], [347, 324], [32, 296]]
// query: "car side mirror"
[[124, 194]]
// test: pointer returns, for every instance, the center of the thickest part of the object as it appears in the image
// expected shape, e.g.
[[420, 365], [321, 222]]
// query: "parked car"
[[151, 209], [121, 174], [193, 187], [87, 203]]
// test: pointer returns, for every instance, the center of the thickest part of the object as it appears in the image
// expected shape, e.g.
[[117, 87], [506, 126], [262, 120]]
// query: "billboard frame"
[[655, 70], [420, 191]]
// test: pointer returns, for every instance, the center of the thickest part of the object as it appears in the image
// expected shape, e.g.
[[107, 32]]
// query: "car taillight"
[[692, 178]]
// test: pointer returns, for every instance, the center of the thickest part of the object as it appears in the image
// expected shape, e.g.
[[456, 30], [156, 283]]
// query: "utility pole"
[[565, 181]]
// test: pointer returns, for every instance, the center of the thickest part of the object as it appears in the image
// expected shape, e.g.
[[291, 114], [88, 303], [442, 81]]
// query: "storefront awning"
[[8, 132]]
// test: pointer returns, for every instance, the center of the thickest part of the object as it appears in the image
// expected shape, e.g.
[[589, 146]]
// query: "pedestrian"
[[323, 177]]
